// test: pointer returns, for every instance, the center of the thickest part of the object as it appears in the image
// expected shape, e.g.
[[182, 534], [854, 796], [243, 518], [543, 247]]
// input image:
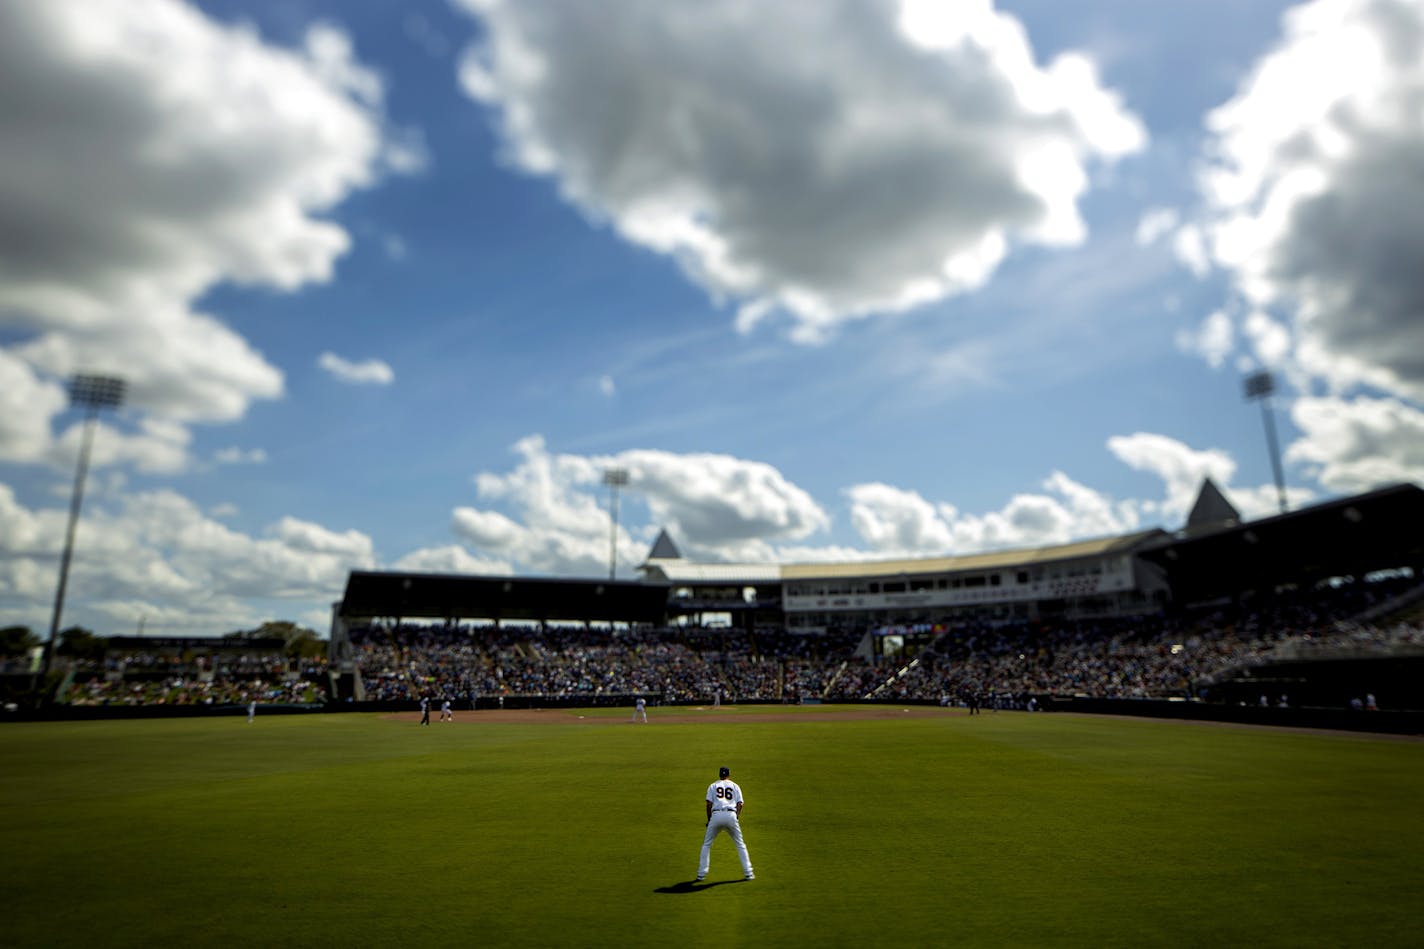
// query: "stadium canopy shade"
[[371, 594], [1352, 536]]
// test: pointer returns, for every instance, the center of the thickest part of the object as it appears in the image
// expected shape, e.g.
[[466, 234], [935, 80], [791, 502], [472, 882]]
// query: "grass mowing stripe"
[[995, 829]]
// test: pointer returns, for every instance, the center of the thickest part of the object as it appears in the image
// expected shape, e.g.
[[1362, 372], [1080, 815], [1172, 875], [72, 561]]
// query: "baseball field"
[[901, 828]]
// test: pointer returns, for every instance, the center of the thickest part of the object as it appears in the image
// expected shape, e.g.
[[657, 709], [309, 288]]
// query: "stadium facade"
[[1095, 577]]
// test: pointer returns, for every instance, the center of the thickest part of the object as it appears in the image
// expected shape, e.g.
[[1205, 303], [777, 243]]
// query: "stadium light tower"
[[615, 478], [91, 393], [1260, 386]]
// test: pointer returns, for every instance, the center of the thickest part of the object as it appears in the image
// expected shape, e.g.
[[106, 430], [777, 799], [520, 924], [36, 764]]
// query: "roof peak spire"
[[664, 548]]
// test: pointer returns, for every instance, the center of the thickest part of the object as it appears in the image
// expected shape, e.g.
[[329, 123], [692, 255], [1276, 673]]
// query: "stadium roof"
[[665, 562], [449, 596], [684, 571], [1349, 536], [1122, 543]]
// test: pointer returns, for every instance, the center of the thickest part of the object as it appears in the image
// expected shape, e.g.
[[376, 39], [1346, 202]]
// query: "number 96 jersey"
[[724, 795]]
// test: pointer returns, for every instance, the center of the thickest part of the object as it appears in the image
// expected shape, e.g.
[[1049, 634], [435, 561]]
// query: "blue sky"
[[394, 283]]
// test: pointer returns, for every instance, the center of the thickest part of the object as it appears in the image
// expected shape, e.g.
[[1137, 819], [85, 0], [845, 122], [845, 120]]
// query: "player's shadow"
[[692, 886]]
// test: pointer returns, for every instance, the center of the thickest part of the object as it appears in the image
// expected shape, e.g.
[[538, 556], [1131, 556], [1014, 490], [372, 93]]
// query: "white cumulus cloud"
[[1181, 467], [1270, 339], [1213, 340], [718, 506], [450, 558], [239, 456], [156, 556], [366, 372], [893, 521], [1315, 194], [1360, 443], [826, 161], [1154, 224], [149, 154]]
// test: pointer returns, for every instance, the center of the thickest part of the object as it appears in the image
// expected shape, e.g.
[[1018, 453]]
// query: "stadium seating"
[[1004, 664]]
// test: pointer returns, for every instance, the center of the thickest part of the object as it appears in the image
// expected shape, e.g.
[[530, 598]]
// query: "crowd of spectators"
[[1158, 656], [998, 664], [405, 662], [189, 678], [180, 691], [995, 664]]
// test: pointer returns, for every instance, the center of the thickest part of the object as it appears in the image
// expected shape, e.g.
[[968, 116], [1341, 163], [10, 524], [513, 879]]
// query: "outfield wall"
[[1386, 722], [77, 713], [1397, 723]]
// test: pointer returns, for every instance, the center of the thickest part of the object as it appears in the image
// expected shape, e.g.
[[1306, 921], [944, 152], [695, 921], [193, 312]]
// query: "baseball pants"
[[724, 821]]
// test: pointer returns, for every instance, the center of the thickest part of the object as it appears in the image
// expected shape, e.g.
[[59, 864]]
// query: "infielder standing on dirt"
[[641, 709], [724, 809]]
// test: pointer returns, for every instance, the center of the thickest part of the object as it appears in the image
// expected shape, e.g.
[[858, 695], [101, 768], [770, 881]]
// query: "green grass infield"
[[580, 828]]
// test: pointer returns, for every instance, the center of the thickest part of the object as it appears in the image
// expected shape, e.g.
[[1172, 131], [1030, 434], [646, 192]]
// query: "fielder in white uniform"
[[640, 710], [445, 714], [724, 808]]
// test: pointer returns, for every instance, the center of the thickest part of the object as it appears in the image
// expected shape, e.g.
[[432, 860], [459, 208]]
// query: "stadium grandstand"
[[187, 671], [1320, 607], [1204, 612]]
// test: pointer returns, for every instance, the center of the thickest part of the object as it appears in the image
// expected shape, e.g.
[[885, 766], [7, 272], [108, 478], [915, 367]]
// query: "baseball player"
[[251, 711], [640, 710], [425, 710], [724, 809], [446, 715]]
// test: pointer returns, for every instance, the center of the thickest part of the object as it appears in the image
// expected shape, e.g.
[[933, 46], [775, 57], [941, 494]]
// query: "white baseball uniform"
[[726, 798], [445, 714], [641, 709]]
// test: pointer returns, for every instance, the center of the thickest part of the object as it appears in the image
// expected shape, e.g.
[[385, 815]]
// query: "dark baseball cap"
[[724, 772]]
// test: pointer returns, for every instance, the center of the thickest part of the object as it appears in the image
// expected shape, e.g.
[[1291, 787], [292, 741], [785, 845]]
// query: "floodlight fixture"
[[1260, 386], [93, 392], [615, 478], [90, 392]]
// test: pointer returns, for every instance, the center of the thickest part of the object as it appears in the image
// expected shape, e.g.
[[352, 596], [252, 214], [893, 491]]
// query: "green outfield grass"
[[1000, 829]]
